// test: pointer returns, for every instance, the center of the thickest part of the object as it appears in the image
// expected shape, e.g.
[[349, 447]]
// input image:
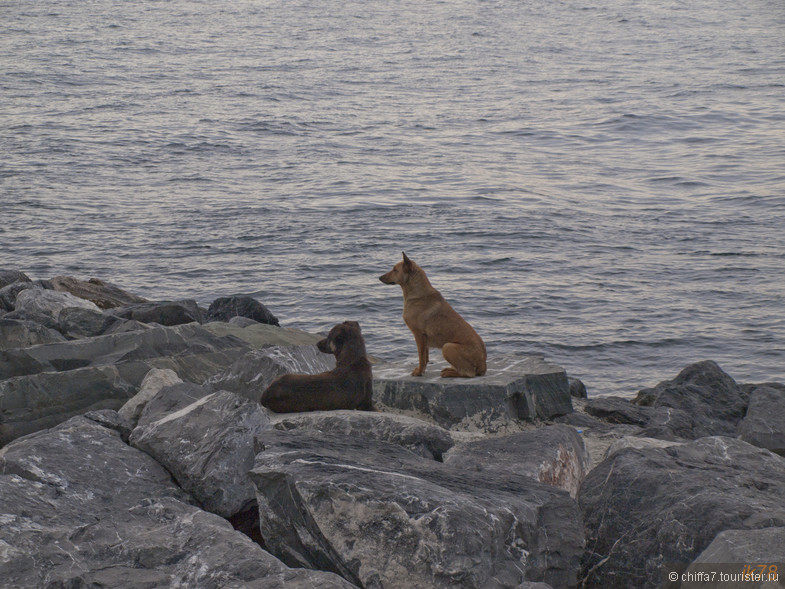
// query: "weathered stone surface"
[[111, 419], [250, 375], [225, 308], [424, 439], [40, 401], [383, 517], [170, 399], [83, 509], [9, 276], [175, 343], [618, 410], [167, 313], [577, 388], [48, 303], [103, 294], [647, 507], [514, 388], [9, 293], [705, 402], [23, 334], [554, 455], [260, 335], [752, 550], [100, 373], [208, 447], [152, 383], [637, 442], [764, 423], [76, 323]]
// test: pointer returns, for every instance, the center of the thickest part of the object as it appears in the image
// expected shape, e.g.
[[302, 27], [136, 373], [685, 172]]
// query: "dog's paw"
[[450, 373], [417, 372]]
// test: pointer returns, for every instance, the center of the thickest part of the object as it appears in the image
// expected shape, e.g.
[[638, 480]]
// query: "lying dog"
[[435, 324], [348, 386]]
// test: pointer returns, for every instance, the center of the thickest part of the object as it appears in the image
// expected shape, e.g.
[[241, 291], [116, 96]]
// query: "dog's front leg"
[[422, 353]]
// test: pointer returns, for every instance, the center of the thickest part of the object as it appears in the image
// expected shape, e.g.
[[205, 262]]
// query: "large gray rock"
[[422, 438], [208, 447], [514, 388], [250, 375], [644, 508], [764, 424], [103, 294], [81, 508], [170, 399], [736, 552], [9, 276], [261, 335], [168, 313], [48, 303], [76, 323], [554, 455], [152, 383], [383, 517], [100, 373], [225, 308], [175, 343], [703, 401], [23, 334], [9, 293]]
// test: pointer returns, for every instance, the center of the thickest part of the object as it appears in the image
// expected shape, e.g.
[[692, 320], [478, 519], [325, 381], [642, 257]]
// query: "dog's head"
[[400, 272], [342, 337]]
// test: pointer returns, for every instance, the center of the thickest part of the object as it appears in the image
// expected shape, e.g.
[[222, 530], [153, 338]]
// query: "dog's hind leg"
[[460, 357]]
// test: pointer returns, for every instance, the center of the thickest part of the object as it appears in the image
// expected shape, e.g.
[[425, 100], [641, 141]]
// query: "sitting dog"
[[435, 324], [348, 386]]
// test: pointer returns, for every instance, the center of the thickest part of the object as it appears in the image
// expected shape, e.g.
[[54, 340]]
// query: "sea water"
[[598, 182]]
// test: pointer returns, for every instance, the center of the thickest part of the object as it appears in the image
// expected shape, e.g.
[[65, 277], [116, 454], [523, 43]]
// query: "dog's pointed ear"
[[406, 260]]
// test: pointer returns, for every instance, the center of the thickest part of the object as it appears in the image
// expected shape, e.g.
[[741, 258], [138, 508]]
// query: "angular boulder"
[[23, 334], [208, 447], [704, 400], [382, 517], [645, 508], [554, 455], [739, 552], [251, 374], [176, 343], [167, 313], [10, 276], [83, 509], [422, 438], [103, 294], [514, 388], [764, 423], [225, 308], [152, 383], [9, 293], [47, 384], [48, 303], [170, 399]]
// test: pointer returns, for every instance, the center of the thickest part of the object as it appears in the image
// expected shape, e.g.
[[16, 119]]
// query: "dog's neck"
[[417, 285]]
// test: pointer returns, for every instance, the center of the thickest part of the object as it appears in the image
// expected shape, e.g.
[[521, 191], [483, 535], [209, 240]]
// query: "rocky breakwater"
[[135, 454]]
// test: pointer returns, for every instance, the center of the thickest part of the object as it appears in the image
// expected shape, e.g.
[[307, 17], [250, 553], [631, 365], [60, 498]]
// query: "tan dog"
[[435, 324], [348, 386]]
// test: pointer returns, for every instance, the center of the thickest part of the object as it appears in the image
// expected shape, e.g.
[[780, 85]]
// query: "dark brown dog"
[[348, 386], [435, 324]]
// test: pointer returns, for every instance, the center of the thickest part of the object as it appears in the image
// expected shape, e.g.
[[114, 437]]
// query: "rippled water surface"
[[602, 183]]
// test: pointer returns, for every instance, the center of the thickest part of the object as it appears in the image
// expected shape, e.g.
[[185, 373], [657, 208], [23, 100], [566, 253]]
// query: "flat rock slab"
[[422, 438], [515, 387]]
